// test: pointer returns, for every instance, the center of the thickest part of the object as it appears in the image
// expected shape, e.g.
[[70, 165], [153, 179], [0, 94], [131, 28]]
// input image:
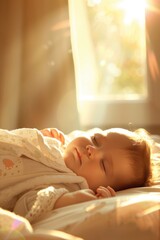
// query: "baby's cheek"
[[68, 159]]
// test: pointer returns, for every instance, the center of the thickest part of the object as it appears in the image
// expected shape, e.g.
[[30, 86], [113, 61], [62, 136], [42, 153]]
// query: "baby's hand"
[[75, 197], [53, 133], [103, 192]]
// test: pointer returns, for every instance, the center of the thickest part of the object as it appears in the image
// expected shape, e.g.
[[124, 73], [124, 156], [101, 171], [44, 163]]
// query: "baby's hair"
[[140, 154]]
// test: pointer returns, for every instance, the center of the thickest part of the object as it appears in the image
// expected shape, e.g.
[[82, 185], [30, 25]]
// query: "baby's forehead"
[[119, 137], [120, 132]]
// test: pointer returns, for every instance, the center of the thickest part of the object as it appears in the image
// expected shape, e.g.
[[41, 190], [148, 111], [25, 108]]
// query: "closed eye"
[[94, 140], [103, 166]]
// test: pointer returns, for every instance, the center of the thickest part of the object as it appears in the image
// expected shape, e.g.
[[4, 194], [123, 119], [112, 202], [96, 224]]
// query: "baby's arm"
[[35, 203], [84, 196], [75, 197]]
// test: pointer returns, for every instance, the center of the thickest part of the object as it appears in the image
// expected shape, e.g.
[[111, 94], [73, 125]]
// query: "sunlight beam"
[[133, 11]]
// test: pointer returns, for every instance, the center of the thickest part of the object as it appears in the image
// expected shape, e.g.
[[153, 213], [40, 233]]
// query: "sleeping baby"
[[41, 170]]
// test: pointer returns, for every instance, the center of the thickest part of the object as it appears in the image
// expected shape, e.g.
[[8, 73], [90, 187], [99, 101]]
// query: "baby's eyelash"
[[93, 138], [103, 166]]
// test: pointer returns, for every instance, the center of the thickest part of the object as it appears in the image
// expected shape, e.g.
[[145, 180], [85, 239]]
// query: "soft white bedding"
[[133, 214]]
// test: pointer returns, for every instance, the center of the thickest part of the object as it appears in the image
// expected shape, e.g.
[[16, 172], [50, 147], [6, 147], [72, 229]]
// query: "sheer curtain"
[[83, 51], [37, 82]]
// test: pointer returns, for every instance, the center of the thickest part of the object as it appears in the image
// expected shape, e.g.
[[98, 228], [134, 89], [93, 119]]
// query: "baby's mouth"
[[79, 156]]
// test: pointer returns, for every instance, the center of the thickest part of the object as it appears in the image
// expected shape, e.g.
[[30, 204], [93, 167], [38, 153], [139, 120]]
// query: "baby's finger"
[[103, 192], [62, 138], [58, 135], [45, 132], [54, 132], [113, 193]]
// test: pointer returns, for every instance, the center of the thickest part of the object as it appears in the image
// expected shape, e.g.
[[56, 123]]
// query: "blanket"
[[31, 144]]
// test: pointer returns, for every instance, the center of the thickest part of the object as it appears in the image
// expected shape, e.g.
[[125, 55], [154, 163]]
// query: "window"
[[117, 30], [114, 85]]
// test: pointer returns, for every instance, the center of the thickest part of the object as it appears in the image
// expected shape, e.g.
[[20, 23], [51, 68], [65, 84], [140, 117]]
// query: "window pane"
[[117, 30]]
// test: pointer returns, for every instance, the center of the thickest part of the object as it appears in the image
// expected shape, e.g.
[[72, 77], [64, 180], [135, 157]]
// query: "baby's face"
[[101, 159]]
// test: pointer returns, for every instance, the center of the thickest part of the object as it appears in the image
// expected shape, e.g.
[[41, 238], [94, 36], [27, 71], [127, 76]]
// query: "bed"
[[132, 214]]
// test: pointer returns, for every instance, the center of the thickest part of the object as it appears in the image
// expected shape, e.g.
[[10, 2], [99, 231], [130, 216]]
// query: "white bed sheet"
[[133, 214]]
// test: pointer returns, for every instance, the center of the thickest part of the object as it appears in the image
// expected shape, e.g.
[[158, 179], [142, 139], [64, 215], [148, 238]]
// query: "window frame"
[[118, 113]]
